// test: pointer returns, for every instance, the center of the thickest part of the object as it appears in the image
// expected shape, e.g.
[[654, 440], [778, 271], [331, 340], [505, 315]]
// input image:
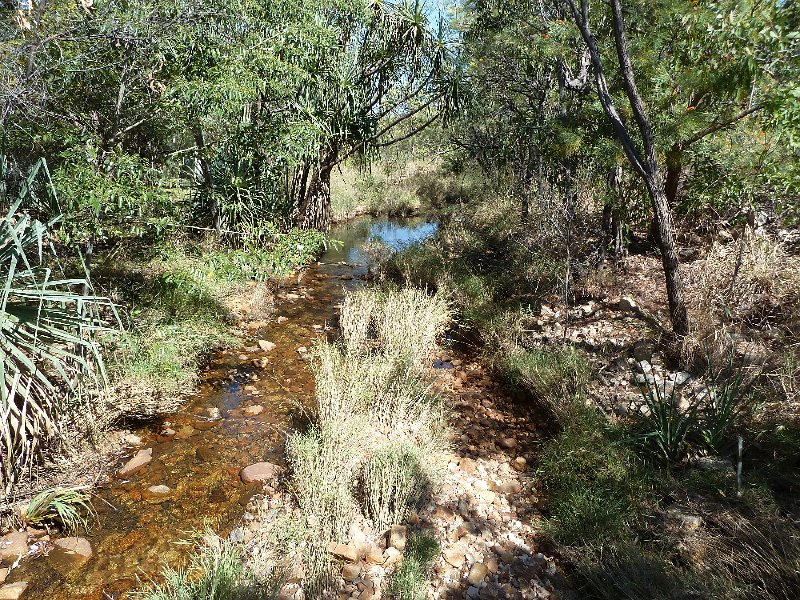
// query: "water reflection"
[[397, 234]]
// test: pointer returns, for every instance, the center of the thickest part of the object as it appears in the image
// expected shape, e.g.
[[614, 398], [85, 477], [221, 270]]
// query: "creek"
[[246, 403]]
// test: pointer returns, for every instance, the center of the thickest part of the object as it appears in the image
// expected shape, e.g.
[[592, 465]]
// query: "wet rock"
[[13, 591], [477, 574], [266, 346], [262, 471], [252, 411], [78, 546], [157, 493], [282, 319], [139, 460], [184, 432], [12, 546], [397, 537]]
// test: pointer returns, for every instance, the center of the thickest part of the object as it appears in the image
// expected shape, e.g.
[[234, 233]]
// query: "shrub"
[[395, 478], [60, 505]]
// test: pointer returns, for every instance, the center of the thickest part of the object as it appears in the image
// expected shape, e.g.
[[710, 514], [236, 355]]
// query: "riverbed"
[[247, 402]]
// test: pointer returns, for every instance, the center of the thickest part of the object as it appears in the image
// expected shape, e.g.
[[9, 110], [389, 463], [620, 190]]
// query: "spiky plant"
[[65, 506], [48, 343]]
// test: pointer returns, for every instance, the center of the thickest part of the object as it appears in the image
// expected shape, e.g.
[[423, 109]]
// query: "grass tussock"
[[409, 582], [217, 571], [375, 446]]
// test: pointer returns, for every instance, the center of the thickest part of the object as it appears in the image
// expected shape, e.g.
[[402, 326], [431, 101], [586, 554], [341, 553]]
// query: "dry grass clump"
[[750, 286], [379, 430], [403, 323]]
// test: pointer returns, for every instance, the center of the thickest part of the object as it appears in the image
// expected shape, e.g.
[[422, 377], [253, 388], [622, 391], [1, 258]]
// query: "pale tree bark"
[[646, 165]]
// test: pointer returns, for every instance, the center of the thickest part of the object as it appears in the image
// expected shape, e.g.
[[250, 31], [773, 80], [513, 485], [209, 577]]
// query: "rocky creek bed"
[[195, 468]]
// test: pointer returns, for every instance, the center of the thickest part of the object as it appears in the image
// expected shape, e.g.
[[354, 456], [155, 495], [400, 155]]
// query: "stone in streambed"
[[252, 411], [262, 471], [477, 574], [345, 552], [397, 537], [139, 460], [13, 591], [156, 494], [12, 546], [69, 553], [266, 346]]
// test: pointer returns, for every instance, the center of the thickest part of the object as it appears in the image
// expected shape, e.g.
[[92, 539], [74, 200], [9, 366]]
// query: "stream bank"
[[246, 403]]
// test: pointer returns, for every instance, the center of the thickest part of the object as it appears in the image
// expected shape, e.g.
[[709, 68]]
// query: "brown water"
[[137, 534]]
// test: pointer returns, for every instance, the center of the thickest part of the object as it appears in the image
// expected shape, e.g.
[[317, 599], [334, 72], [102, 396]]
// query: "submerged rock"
[[262, 471], [12, 546], [266, 346], [139, 460], [13, 591]]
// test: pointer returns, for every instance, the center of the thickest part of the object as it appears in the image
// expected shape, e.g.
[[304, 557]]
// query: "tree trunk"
[[315, 206], [672, 182], [646, 165], [208, 182], [669, 255]]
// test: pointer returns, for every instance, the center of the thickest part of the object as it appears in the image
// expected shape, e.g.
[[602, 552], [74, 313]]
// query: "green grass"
[[69, 508], [216, 571], [409, 582], [595, 488], [554, 378]]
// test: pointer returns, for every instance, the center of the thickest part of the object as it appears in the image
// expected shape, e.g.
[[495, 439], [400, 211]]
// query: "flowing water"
[[138, 532]]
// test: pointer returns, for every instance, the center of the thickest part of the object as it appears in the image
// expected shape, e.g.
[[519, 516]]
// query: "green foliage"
[[394, 482], [409, 582], [48, 335], [65, 506], [665, 425]]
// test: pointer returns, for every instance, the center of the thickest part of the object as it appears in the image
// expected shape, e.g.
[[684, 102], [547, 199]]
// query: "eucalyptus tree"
[[380, 66]]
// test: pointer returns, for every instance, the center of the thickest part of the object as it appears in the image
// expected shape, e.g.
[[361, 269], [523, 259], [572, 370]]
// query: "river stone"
[[12, 546], [344, 552], [282, 319], [397, 537], [351, 572], [477, 574], [266, 346], [158, 492], [261, 471], [252, 411], [76, 545], [139, 460], [13, 591]]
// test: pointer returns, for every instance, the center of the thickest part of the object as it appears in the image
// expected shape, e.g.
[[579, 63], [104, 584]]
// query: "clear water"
[[135, 535]]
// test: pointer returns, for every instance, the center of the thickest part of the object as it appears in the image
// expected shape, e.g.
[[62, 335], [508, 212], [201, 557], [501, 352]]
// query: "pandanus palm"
[[48, 341]]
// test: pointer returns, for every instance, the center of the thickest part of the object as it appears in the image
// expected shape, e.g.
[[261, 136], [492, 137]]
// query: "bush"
[[216, 572]]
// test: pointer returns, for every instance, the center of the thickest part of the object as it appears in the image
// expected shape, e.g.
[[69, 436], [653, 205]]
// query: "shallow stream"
[[219, 431]]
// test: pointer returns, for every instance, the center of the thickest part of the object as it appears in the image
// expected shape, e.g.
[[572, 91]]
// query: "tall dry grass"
[[379, 431]]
